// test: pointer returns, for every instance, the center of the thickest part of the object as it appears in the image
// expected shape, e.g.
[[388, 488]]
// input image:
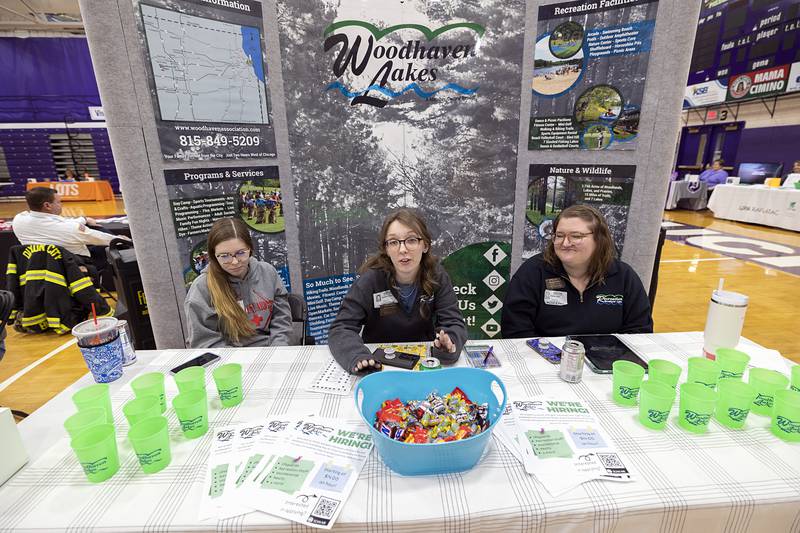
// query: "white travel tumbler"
[[724, 322]]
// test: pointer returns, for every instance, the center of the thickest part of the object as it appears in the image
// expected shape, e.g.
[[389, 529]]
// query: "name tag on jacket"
[[555, 297], [379, 299]]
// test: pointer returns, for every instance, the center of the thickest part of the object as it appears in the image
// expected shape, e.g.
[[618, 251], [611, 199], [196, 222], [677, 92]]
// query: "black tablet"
[[603, 350]]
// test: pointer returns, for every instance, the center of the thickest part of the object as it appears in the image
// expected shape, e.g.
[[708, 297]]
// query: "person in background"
[[793, 176], [238, 300], [715, 175], [70, 175], [43, 224], [577, 286], [402, 295]]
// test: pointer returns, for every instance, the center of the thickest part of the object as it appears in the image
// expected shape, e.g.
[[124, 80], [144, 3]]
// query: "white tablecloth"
[[770, 206], [680, 195], [724, 480]]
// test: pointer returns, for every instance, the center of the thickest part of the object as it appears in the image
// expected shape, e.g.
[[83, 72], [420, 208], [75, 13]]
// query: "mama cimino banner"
[[411, 104]]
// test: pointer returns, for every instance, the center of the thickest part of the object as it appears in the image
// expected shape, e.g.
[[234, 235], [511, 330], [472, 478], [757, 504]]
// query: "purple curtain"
[[46, 79]]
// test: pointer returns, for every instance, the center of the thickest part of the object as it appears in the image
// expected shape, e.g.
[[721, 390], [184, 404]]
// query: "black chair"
[[300, 315], [6, 306]]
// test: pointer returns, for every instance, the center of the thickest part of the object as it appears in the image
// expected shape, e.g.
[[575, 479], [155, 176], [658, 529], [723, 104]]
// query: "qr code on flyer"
[[324, 511], [612, 463]]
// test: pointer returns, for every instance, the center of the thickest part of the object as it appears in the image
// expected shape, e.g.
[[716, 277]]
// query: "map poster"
[[200, 196], [552, 188], [206, 70], [590, 66]]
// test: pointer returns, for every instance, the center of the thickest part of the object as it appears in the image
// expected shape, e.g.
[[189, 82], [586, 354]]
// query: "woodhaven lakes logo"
[[609, 299], [374, 65]]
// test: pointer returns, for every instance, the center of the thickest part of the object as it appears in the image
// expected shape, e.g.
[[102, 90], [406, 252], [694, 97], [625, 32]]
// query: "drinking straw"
[[721, 281], [96, 327]]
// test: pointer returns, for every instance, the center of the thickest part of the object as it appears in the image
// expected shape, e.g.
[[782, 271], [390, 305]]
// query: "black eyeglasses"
[[412, 243]]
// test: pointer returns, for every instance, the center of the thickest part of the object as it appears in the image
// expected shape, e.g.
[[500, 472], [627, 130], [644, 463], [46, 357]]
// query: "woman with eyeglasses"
[[402, 295], [238, 300], [577, 286]]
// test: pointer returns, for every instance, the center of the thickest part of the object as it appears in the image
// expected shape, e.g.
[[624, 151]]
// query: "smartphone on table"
[[546, 349], [395, 358], [603, 350], [201, 360]]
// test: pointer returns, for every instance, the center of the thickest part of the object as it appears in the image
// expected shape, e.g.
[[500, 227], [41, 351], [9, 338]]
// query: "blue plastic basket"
[[435, 458]]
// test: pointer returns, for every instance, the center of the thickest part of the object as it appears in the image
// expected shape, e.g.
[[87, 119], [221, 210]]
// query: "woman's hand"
[[443, 341], [367, 364]]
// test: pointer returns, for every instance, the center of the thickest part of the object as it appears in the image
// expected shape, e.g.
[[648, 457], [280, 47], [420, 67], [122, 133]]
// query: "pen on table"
[[489, 353]]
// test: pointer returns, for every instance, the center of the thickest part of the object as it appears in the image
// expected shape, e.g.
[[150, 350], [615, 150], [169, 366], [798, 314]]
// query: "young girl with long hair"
[[238, 300], [402, 295]]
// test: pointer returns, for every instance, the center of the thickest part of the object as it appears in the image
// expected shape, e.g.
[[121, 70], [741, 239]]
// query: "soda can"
[[572, 356], [430, 363], [128, 353]]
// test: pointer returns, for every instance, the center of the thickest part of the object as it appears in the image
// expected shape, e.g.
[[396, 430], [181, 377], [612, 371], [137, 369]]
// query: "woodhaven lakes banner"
[[414, 104], [589, 71]]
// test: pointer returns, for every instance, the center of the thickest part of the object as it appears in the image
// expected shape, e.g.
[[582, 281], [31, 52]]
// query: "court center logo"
[[374, 65]]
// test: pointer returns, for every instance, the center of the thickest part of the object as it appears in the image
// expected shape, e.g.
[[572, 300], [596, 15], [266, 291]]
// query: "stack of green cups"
[[150, 440], [655, 403], [141, 408], [85, 419], [696, 407], [627, 377], [151, 384], [786, 415], [192, 410], [96, 448], [735, 399], [732, 363], [192, 378], [97, 395], [703, 371], [229, 384], [796, 378], [664, 371], [766, 383]]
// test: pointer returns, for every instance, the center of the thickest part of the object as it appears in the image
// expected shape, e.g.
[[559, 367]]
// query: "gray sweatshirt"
[[262, 295], [368, 304]]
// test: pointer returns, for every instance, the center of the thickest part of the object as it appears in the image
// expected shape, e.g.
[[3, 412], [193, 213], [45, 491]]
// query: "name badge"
[[555, 297], [379, 299]]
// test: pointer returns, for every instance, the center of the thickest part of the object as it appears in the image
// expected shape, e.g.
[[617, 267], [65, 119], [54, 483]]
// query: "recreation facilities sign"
[[590, 66], [207, 78]]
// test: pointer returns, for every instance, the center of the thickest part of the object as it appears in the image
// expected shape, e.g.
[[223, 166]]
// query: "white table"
[[724, 480], [771, 206], [694, 199]]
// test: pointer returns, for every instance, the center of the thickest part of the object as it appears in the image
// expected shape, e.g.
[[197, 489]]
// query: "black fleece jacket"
[[390, 323], [541, 301]]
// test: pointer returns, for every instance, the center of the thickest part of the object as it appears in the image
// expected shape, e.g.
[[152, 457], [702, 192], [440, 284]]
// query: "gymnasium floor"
[[37, 367]]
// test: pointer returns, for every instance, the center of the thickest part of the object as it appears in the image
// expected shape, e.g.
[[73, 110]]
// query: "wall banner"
[[199, 196], [551, 188], [589, 72], [415, 105], [206, 70]]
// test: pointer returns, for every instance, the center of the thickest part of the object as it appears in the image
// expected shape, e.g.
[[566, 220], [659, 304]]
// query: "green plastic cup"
[[192, 378], [696, 407], [627, 377], [655, 403], [664, 371], [192, 410], [150, 440], [97, 395], [703, 371], [796, 378], [731, 363], [229, 384], [150, 384], [84, 419], [735, 399], [786, 415], [142, 407], [767, 383], [96, 448]]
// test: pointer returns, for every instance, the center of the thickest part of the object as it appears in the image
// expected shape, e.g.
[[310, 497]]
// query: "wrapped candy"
[[435, 419]]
